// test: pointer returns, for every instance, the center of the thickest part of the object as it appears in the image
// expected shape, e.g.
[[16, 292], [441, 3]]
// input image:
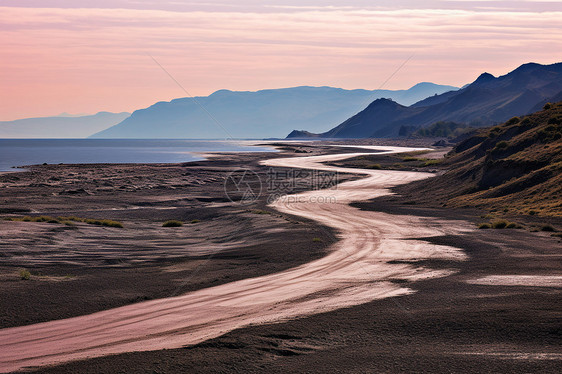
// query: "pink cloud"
[[84, 60]]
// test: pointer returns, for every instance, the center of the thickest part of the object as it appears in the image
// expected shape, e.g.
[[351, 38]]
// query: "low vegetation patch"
[[25, 275], [104, 222], [432, 162], [410, 158], [442, 129], [172, 223], [504, 224], [68, 221], [316, 240], [548, 228], [499, 224]]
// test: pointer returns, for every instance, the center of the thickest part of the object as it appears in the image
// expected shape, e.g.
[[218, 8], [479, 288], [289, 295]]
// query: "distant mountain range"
[[487, 101], [60, 126], [262, 114]]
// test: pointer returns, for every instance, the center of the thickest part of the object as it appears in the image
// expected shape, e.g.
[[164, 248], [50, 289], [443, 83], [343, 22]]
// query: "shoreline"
[[129, 340], [241, 335]]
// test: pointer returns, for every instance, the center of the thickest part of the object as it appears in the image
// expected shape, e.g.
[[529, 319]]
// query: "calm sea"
[[19, 152]]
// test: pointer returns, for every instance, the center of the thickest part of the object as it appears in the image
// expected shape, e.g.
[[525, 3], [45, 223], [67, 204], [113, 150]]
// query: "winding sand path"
[[357, 270]]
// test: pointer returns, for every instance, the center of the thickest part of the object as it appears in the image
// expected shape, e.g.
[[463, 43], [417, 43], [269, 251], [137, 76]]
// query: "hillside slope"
[[261, 114], [515, 167], [486, 101]]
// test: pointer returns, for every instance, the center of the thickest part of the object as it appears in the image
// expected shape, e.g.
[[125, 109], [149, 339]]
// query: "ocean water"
[[20, 152]]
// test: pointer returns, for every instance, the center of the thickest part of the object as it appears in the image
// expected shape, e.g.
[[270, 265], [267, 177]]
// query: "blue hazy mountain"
[[487, 101], [261, 114], [63, 126]]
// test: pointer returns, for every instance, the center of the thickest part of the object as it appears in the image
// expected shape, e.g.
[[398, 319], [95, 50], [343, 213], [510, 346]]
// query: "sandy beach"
[[374, 255]]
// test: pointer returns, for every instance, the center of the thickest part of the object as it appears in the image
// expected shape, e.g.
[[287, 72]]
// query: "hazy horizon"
[[98, 111]]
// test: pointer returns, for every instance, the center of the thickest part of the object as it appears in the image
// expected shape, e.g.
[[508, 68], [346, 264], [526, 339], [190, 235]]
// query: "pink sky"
[[85, 56]]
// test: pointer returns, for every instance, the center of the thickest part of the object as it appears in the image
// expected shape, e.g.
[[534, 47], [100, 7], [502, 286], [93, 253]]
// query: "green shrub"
[[500, 224], [25, 275], [441, 129], [374, 166], [547, 106], [172, 223], [431, 163], [104, 222], [548, 228], [194, 221], [484, 226], [110, 223], [532, 212], [512, 225], [410, 158], [71, 218], [316, 240]]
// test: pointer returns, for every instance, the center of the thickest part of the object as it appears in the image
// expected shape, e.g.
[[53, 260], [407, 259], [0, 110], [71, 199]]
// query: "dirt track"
[[364, 265]]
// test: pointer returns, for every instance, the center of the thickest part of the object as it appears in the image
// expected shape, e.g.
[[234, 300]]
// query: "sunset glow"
[[72, 56]]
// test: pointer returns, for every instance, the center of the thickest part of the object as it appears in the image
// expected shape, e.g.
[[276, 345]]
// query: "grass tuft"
[[25, 275], [69, 220], [173, 223], [104, 222], [432, 162], [500, 224], [483, 226], [410, 158]]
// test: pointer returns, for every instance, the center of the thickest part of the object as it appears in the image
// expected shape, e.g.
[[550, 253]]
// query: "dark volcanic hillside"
[[515, 167], [487, 101]]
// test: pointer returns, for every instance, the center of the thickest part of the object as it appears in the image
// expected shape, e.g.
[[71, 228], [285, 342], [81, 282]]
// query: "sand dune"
[[361, 267]]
